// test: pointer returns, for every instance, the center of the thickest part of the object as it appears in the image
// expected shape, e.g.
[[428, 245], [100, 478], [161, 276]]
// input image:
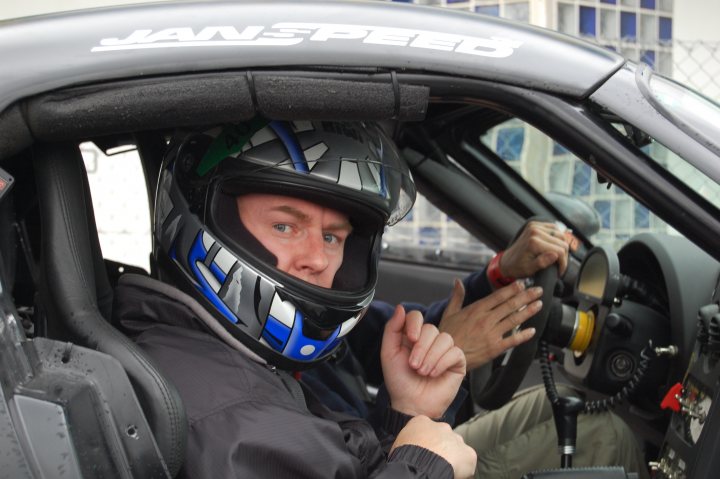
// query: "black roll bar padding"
[[159, 103], [71, 277]]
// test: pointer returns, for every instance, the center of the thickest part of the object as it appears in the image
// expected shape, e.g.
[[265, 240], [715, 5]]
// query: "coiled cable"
[[598, 405]]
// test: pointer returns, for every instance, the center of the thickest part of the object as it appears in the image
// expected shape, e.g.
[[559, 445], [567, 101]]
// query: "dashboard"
[[652, 314], [690, 446]]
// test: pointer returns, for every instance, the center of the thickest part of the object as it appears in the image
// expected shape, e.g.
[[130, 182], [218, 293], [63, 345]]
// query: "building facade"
[[640, 30]]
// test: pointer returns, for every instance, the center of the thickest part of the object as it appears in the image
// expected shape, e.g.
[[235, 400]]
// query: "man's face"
[[307, 239]]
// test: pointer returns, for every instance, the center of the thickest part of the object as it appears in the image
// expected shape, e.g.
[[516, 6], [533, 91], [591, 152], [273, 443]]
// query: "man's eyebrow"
[[343, 225], [301, 216]]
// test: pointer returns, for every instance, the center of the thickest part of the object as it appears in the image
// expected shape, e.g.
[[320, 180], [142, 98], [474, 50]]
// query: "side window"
[[507, 141], [122, 214], [427, 235], [550, 168]]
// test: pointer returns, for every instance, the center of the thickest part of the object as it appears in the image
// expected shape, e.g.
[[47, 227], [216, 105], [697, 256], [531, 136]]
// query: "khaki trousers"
[[520, 437]]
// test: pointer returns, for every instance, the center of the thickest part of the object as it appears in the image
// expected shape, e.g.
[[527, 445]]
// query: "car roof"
[[54, 51]]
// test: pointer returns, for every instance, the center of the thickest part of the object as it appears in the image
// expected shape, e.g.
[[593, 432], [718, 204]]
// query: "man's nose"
[[311, 257]]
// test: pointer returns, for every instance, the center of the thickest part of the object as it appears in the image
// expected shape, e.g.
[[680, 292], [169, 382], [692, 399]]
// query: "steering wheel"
[[493, 384]]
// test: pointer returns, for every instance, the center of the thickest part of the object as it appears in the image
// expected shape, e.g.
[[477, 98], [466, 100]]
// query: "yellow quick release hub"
[[584, 327]]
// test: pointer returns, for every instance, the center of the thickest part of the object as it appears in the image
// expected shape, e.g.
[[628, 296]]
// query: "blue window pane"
[[648, 56], [456, 1], [628, 25], [510, 143], [642, 216], [581, 179], [430, 236], [613, 2], [648, 4], [493, 10], [611, 47], [559, 150], [587, 21], [665, 28], [604, 209]]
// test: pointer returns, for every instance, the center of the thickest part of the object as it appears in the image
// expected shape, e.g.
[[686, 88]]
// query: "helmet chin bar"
[[287, 332], [282, 326]]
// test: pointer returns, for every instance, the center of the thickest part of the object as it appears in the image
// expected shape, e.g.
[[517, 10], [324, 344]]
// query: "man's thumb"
[[456, 298]]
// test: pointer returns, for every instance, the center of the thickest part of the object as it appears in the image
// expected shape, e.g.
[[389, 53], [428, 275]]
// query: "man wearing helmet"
[[271, 233]]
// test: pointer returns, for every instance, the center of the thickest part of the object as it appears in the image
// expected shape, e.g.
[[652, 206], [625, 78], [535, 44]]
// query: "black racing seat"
[[78, 295]]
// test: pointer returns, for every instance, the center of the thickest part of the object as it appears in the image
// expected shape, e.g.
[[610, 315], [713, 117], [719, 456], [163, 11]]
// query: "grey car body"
[[128, 75]]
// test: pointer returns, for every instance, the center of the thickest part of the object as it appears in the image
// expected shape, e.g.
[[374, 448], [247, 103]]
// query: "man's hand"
[[539, 245], [439, 438], [479, 328], [422, 367]]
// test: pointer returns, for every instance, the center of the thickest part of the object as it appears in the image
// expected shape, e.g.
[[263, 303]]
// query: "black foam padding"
[[14, 133], [138, 105], [413, 102], [292, 98], [159, 103]]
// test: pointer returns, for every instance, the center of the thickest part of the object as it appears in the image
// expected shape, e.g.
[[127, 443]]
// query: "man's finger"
[[519, 301], [393, 335], [497, 297], [559, 244], [413, 325], [422, 346], [453, 360], [519, 317], [456, 298], [440, 345], [564, 259], [515, 340], [546, 259]]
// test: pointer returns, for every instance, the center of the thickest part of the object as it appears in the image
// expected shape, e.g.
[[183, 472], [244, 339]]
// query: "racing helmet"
[[201, 245]]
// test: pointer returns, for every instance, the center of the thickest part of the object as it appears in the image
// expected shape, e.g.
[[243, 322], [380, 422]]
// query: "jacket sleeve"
[[414, 461], [259, 439], [406, 461]]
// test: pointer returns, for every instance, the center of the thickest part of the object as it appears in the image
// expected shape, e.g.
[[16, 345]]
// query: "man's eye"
[[282, 228], [331, 238]]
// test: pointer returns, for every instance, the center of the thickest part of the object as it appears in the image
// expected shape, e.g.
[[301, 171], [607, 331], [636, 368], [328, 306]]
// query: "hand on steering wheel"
[[494, 384], [482, 329], [540, 248]]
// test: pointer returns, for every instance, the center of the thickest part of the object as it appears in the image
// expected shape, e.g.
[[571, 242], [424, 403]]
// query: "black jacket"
[[340, 382], [247, 419]]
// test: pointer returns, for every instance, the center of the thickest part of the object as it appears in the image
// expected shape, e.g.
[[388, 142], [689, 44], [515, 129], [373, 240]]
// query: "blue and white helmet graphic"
[[202, 246]]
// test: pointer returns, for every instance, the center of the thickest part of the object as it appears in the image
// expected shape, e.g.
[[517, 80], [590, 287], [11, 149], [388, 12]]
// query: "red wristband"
[[497, 280]]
